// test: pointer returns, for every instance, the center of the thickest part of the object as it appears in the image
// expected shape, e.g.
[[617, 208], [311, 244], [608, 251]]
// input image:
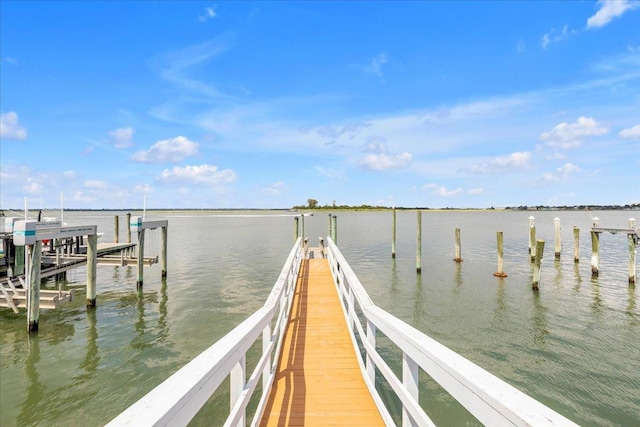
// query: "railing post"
[[410, 382], [237, 383], [371, 339], [266, 372]]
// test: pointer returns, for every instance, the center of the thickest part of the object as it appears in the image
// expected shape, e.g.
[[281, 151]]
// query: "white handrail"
[[488, 398], [179, 398]]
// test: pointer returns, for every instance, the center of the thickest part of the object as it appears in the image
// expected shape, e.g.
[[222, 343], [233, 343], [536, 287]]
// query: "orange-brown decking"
[[318, 379]]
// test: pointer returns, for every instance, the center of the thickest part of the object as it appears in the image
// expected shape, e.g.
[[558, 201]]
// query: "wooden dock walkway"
[[318, 379]]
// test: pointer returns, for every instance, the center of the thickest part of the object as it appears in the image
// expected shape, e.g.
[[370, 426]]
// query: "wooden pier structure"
[[320, 364], [35, 250]]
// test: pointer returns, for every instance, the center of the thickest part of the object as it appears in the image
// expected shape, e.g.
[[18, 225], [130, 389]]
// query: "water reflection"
[[35, 388], [162, 319], [596, 305], [540, 322], [419, 303], [631, 307], [500, 311], [578, 280], [92, 358], [457, 278]]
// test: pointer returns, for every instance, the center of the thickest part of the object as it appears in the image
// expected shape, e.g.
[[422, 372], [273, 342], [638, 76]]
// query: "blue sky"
[[268, 104]]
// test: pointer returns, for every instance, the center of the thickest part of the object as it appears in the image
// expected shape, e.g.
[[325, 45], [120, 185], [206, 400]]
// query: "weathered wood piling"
[[393, 234], [458, 250], [558, 238], [419, 242], [576, 244], [632, 252], [595, 253], [500, 272], [535, 283]]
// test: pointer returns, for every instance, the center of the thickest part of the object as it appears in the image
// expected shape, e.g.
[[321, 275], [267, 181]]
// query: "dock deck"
[[318, 379]]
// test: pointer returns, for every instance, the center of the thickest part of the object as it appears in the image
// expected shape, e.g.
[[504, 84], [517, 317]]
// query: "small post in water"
[[558, 237], [296, 228], [163, 250], [458, 256], [535, 284], [393, 234], [129, 227], [576, 244], [34, 254], [532, 237], [140, 262], [116, 229], [335, 229], [419, 243], [92, 262], [595, 252], [632, 252], [500, 272]]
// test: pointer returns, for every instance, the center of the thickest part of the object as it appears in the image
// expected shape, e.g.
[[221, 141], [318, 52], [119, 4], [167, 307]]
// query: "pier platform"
[[318, 381]]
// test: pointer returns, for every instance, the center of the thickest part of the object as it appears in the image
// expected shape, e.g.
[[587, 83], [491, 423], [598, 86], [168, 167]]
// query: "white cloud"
[[167, 150], [609, 9], [562, 173], [95, 185], [142, 189], [375, 66], [441, 190], [556, 36], [121, 137], [384, 161], [570, 135], [501, 164], [70, 174], [208, 175], [209, 12], [630, 133], [10, 128], [276, 189]]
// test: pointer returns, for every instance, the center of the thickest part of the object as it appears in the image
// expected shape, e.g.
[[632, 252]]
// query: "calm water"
[[573, 345]]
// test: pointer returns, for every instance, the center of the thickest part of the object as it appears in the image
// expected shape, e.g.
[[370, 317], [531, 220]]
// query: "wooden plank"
[[318, 380]]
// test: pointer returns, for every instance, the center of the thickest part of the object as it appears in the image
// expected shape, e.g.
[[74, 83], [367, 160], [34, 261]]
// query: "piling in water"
[[632, 252], [500, 272], [163, 250], [335, 229], [129, 227], [393, 235], [419, 242], [535, 283], [458, 254], [532, 222], [595, 253], [116, 229], [558, 238], [140, 262], [92, 263], [296, 225], [34, 254], [532, 239], [576, 244]]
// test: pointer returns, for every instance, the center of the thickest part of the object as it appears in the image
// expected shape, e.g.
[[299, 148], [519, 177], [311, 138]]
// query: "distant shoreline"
[[304, 209]]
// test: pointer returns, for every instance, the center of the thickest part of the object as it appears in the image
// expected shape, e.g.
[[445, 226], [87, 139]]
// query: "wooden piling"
[[535, 283], [129, 227], [632, 253], [92, 263], [558, 238], [576, 244], [393, 234], [296, 228], [595, 254], [116, 229], [532, 239], [163, 250], [302, 226], [458, 254], [34, 254], [419, 242], [500, 272], [140, 280], [335, 229], [330, 227], [18, 261]]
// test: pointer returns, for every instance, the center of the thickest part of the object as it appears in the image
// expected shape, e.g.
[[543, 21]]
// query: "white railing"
[[179, 398], [488, 398]]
